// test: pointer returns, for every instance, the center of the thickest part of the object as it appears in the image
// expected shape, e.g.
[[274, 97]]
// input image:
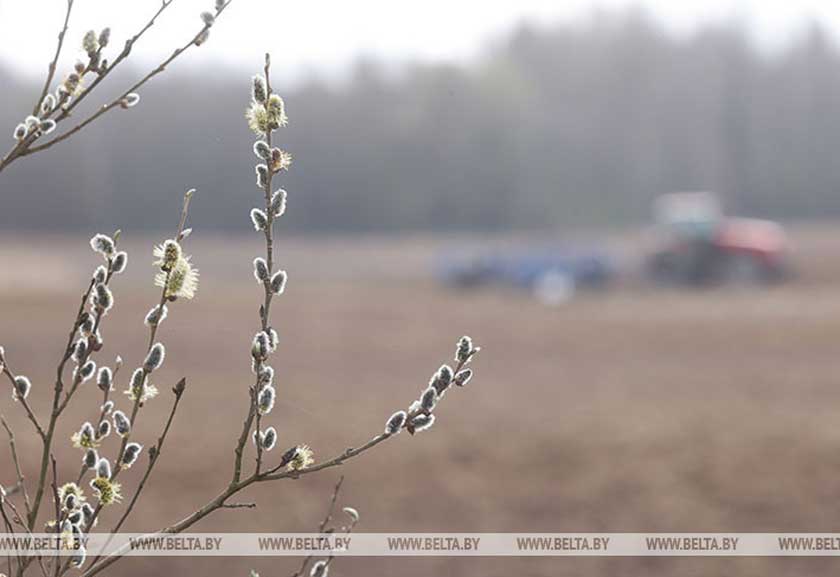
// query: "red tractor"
[[697, 245]]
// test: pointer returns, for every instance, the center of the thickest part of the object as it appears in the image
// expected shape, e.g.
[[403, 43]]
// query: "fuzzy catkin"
[[395, 423], [155, 357]]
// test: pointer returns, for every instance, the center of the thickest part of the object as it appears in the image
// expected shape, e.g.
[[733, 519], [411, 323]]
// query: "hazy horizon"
[[432, 32]]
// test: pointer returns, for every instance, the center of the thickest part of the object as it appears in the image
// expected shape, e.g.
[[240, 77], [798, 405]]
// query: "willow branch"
[[129, 44], [116, 102], [138, 400], [154, 455], [264, 310], [25, 147]]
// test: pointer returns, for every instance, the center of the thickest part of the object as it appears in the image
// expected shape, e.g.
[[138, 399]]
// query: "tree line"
[[553, 127]]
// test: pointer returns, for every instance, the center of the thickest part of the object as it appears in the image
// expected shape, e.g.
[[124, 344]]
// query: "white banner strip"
[[425, 544]]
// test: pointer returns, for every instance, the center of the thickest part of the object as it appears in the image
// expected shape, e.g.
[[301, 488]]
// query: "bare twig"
[[129, 44], [11, 530], [116, 102], [54, 62], [21, 480], [57, 511], [25, 147], [243, 437], [322, 527], [154, 454], [328, 516]]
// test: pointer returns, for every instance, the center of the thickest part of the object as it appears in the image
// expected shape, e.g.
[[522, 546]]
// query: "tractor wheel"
[[745, 270]]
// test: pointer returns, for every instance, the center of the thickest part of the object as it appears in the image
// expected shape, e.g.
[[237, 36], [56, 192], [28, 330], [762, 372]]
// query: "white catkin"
[[104, 429], [265, 402], [262, 175], [202, 37], [258, 219], [21, 131], [464, 350], [48, 104], [278, 282], [395, 423], [320, 569], [258, 89], [22, 387], [88, 513], [422, 422], [260, 347], [105, 379], [155, 357], [102, 244], [269, 438], [102, 297], [79, 557], [47, 125], [86, 324], [91, 458], [429, 399], [266, 375], [156, 315], [260, 270], [278, 202], [87, 370], [441, 379], [463, 377], [262, 150], [86, 431], [120, 261], [103, 468], [121, 423], [132, 451], [273, 339], [80, 350]]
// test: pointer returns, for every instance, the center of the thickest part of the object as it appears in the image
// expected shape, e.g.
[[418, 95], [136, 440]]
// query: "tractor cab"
[[688, 215], [698, 245]]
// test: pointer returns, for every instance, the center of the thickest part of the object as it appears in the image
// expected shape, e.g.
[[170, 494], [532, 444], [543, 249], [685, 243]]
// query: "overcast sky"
[[322, 37]]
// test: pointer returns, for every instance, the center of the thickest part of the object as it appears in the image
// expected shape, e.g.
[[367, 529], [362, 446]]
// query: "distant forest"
[[570, 126]]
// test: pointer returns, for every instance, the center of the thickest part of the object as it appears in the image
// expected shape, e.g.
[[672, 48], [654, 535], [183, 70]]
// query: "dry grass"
[[629, 411]]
